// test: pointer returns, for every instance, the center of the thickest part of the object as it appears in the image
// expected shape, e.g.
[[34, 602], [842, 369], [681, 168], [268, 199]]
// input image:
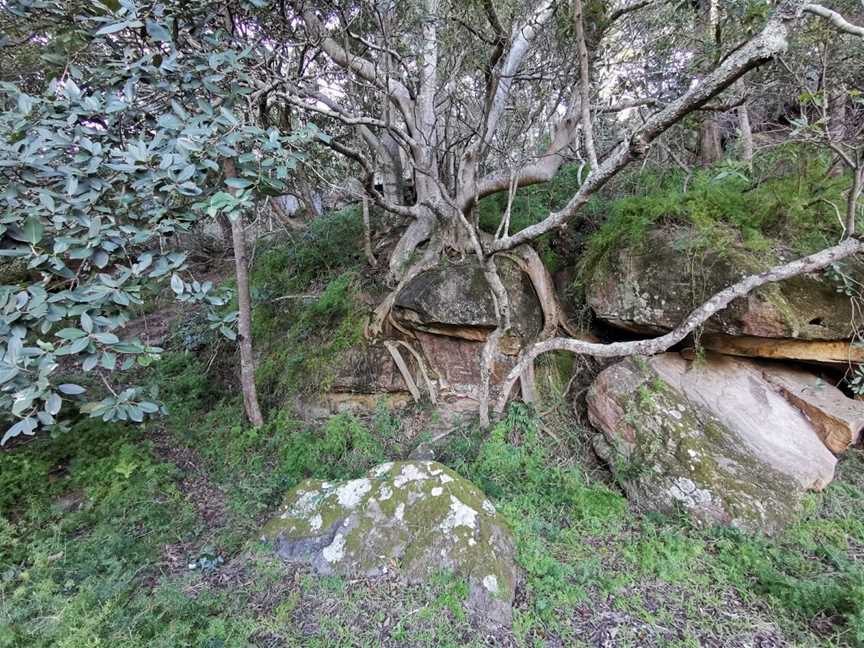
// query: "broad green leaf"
[[107, 338], [33, 231], [70, 334], [53, 404], [157, 32]]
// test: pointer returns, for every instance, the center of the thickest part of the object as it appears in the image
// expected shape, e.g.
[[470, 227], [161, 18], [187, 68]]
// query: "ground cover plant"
[[114, 534]]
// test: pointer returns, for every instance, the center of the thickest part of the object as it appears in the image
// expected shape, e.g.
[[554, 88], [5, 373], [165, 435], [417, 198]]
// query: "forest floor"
[[113, 535], [118, 535]]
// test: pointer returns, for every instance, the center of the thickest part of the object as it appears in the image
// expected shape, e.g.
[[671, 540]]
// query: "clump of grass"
[[726, 210], [305, 355]]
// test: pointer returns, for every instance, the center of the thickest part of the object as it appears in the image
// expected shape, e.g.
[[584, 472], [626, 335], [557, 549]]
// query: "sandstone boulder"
[[713, 437], [414, 518], [823, 352], [456, 300], [650, 288], [837, 419]]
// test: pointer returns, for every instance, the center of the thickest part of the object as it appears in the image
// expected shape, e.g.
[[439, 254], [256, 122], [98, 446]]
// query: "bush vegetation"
[[145, 536]]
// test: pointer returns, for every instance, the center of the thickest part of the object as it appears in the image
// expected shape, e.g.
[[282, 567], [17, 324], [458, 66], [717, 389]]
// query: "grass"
[[728, 208], [100, 525], [112, 535]]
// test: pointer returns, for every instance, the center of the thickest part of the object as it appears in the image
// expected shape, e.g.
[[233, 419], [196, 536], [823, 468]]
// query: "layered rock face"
[[651, 289], [732, 441], [445, 316], [450, 312], [412, 518]]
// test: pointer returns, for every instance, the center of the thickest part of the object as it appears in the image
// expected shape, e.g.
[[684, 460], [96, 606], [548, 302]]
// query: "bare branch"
[[769, 42], [397, 92], [696, 318], [834, 18]]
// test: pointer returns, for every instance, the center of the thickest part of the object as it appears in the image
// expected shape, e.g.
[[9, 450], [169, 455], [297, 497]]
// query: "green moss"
[[304, 356], [728, 213]]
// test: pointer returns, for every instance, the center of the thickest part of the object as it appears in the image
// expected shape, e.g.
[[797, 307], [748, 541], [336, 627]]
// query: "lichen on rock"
[[680, 436], [417, 515]]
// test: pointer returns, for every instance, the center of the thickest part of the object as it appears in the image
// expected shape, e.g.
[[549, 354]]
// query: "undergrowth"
[[307, 311]]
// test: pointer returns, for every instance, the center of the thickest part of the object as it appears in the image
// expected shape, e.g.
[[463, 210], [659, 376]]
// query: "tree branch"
[[834, 18], [769, 42], [696, 318], [397, 92]]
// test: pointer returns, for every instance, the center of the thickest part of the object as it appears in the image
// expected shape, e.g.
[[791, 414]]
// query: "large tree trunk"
[[244, 320]]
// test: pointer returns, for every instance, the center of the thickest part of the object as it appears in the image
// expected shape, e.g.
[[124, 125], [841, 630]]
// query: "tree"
[[457, 128], [100, 166]]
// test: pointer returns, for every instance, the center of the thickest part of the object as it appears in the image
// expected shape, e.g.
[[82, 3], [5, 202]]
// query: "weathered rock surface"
[[650, 289], [839, 352], [714, 438], [415, 517], [368, 370], [837, 419], [456, 300]]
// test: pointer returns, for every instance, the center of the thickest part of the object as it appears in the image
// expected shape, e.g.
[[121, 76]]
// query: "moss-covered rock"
[[456, 300], [414, 517], [715, 440], [653, 286]]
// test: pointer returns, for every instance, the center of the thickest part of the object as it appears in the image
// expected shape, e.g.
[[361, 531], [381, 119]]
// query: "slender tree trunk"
[[225, 228], [745, 134], [244, 320], [710, 146], [854, 195], [367, 234], [584, 85], [306, 193]]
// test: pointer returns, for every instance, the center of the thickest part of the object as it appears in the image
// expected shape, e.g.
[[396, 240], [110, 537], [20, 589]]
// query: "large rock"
[[651, 288], [368, 369], [837, 419], [415, 517], [712, 437], [823, 352], [456, 300]]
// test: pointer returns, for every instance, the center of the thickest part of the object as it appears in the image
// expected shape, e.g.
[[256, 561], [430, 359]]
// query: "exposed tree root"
[[367, 235], [421, 367], [490, 349], [430, 258], [403, 369], [418, 231], [531, 264], [696, 318]]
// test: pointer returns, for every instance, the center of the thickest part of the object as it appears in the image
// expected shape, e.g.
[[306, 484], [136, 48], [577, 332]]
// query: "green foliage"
[[343, 448], [304, 334], [328, 246], [304, 357], [101, 165], [532, 204], [513, 466], [726, 208]]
